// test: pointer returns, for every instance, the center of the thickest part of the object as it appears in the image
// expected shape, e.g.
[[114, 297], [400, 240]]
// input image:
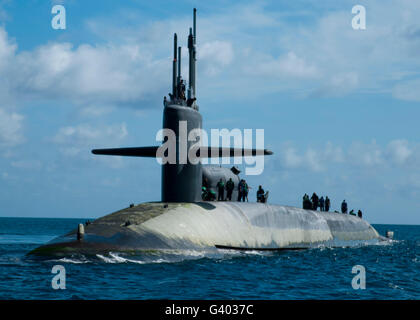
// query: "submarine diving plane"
[[182, 220]]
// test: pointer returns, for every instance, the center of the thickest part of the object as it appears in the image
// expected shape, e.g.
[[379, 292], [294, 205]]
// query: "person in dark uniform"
[[260, 194], [190, 101], [240, 190], [344, 207], [359, 214], [315, 201], [321, 204], [229, 188], [206, 183], [307, 204], [327, 204], [221, 190], [245, 192]]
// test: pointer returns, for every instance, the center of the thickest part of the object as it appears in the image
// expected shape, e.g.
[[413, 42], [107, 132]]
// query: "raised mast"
[[192, 58], [174, 70], [179, 74]]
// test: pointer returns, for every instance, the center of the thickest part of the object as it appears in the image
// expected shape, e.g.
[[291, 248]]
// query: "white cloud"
[[351, 60], [399, 151], [288, 65], [310, 159], [7, 48], [334, 153], [365, 154], [313, 160], [125, 74], [133, 66], [215, 55], [290, 158], [76, 139], [11, 128], [95, 111], [339, 85], [407, 90]]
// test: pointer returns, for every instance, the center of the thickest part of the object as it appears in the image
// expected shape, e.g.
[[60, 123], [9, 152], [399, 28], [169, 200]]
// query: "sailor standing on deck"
[[344, 207], [260, 194], [321, 204], [315, 201], [246, 189], [327, 204], [241, 188], [221, 190], [307, 204], [229, 188]]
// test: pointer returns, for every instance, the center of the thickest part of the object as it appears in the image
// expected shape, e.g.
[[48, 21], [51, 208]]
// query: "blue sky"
[[340, 107]]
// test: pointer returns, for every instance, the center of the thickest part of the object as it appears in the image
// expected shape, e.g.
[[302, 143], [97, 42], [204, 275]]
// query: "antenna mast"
[[174, 71], [192, 58]]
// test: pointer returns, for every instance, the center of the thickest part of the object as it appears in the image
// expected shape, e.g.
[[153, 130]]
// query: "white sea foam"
[[75, 261], [174, 256], [115, 257], [187, 252], [106, 259], [394, 286]]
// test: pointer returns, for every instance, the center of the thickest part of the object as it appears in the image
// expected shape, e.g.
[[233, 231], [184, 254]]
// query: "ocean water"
[[392, 269]]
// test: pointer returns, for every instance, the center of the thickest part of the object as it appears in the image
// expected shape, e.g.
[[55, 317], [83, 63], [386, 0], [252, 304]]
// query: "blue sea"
[[392, 269]]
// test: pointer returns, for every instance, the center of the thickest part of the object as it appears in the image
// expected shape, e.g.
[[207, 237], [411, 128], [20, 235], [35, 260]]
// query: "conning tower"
[[182, 181]]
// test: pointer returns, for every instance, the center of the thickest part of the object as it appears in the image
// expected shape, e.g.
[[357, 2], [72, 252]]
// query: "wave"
[[114, 257], [179, 255], [175, 256], [75, 261]]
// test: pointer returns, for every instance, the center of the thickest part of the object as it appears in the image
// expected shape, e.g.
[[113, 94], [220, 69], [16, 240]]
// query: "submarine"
[[183, 220]]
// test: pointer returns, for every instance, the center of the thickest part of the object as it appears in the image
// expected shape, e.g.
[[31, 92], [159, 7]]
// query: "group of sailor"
[[229, 186], [315, 202], [243, 190], [321, 203]]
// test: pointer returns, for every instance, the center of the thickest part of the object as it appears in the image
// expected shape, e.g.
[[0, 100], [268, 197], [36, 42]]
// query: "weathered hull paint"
[[204, 225]]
